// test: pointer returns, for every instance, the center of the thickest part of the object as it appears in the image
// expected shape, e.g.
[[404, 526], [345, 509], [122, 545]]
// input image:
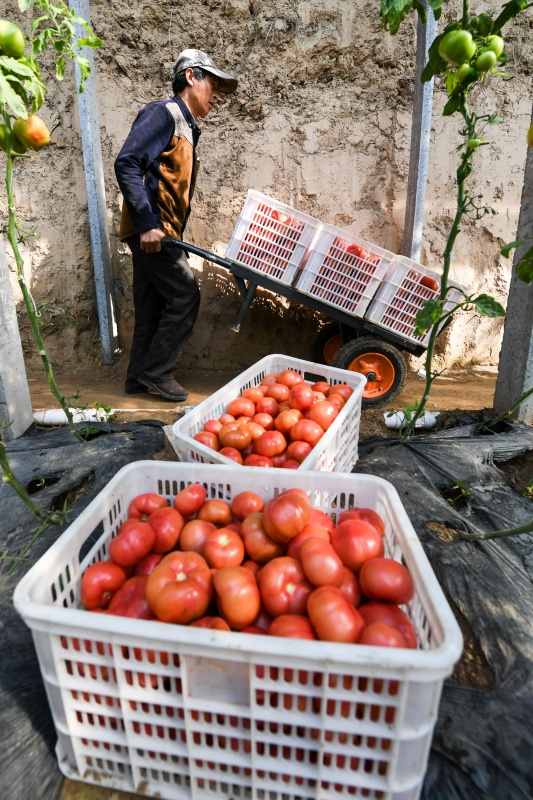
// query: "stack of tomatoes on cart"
[[277, 423], [271, 238], [277, 567]]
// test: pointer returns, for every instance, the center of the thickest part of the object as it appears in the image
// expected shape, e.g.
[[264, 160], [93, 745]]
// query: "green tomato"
[[473, 144], [496, 44], [530, 136], [456, 47], [16, 146], [11, 39], [485, 61], [466, 74]]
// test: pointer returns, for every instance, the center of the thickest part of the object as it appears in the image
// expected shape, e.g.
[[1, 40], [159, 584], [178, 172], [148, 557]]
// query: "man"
[[156, 171]]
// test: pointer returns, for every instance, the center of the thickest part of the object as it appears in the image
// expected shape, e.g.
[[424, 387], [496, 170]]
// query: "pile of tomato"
[[277, 423], [278, 567]]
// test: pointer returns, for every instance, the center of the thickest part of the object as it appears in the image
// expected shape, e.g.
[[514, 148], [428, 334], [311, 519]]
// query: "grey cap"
[[227, 84]]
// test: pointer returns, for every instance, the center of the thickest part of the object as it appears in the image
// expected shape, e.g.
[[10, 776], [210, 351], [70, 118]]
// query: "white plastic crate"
[[271, 237], [335, 452], [342, 278], [185, 713], [402, 294]]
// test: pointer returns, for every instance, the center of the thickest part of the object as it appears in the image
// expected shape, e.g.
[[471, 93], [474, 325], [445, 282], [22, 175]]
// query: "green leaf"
[[450, 80], [24, 4], [89, 41], [60, 68], [453, 105], [506, 251], [487, 306], [483, 24], [392, 13], [429, 314], [9, 97], [16, 66], [524, 268], [508, 12]]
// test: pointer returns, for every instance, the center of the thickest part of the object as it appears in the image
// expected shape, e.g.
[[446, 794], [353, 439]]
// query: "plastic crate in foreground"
[[336, 450], [185, 713], [271, 237], [344, 270], [402, 294]]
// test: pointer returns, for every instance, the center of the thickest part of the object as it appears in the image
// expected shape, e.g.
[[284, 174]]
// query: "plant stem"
[[527, 528], [28, 300], [48, 517], [508, 411]]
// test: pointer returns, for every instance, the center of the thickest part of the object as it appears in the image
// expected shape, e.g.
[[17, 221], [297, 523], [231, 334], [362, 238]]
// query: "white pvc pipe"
[[396, 419], [56, 416]]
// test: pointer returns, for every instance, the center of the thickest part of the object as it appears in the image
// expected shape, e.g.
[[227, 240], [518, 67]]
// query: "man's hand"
[[151, 240]]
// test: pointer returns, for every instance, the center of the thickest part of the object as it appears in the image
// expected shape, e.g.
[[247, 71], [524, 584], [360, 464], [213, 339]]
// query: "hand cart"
[[370, 295]]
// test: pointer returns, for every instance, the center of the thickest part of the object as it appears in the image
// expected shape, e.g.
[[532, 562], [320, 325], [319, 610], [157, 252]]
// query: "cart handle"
[[191, 248]]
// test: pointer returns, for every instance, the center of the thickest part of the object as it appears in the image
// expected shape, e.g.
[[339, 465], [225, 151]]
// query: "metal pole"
[[420, 135], [94, 182]]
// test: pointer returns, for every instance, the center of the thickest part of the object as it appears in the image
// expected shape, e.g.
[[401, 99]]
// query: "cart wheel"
[[327, 344], [381, 363]]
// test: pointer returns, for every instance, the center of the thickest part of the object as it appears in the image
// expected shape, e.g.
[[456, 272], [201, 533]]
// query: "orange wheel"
[[382, 365], [327, 344]]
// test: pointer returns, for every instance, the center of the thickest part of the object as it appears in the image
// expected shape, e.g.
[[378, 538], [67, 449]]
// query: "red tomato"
[[212, 425], [269, 379], [99, 583], [257, 430], [337, 400], [257, 543], [235, 526], [344, 390], [286, 420], [235, 435], [253, 566], [237, 596], [180, 588], [284, 587], [232, 453], [255, 460], [270, 443], [357, 251], [194, 534], [263, 620], [285, 515], [207, 439], [133, 541], [280, 460], [429, 283], [323, 413], [253, 393], [223, 548], [241, 407], [299, 450], [349, 586], [318, 517], [147, 564], [321, 386], [367, 514], [167, 524], [226, 418], [290, 377], [290, 463], [143, 505], [283, 406], [319, 397], [391, 615], [213, 623], [267, 406], [189, 500], [245, 503], [333, 617], [216, 511], [386, 579], [293, 626], [278, 391], [309, 531], [320, 562], [281, 217], [130, 599], [265, 420], [308, 431], [301, 396], [355, 541], [382, 635]]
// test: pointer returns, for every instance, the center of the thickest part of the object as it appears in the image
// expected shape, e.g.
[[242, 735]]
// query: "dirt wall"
[[321, 121]]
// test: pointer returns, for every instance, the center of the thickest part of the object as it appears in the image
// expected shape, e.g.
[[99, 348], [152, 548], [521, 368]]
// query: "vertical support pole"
[[515, 367], [94, 182], [420, 134], [16, 414]]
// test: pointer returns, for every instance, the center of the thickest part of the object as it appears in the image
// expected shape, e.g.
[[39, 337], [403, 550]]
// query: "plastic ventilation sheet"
[[484, 734]]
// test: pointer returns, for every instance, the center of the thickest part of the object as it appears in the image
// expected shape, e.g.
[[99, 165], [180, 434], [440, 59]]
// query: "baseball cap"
[[227, 84]]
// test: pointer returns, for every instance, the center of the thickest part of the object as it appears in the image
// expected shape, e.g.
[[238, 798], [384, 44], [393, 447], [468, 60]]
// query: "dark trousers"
[[166, 300]]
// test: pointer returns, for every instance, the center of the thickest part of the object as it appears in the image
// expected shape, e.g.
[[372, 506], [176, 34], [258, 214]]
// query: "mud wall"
[[321, 121]]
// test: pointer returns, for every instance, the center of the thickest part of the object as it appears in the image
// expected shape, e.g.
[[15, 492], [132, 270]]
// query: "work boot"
[[171, 390]]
